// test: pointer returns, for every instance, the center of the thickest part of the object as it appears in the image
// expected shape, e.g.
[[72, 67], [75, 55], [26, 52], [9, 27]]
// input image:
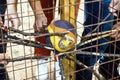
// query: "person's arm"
[[40, 18], [11, 14], [114, 6]]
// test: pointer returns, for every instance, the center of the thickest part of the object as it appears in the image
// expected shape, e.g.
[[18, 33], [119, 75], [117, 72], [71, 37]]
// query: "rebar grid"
[[22, 61]]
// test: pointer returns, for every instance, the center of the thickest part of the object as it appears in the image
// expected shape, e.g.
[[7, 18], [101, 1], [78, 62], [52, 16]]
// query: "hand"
[[40, 18], [40, 21], [114, 6], [3, 57], [11, 14], [1, 25], [116, 31], [13, 19]]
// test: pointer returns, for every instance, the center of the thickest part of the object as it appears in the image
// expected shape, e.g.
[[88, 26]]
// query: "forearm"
[[36, 6], [12, 6], [11, 14]]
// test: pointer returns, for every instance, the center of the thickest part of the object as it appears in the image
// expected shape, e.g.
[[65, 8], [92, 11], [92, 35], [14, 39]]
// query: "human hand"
[[116, 31], [11, 14], [12, 19], [114, 6], [3, 58], [40, 20]]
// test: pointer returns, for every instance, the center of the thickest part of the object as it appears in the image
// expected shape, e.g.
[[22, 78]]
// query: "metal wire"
[[31, 61]]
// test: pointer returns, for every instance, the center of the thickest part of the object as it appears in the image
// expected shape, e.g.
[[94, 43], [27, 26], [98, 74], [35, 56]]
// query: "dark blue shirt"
[[2, 7], [96, 12], [2, 11]]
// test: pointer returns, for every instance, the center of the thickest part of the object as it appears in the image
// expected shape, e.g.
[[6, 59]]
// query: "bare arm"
[[11, 14], [40, 18], [12, 6], [36, 6]]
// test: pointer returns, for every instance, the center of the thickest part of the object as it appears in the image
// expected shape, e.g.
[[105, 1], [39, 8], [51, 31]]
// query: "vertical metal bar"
[[68, 12]]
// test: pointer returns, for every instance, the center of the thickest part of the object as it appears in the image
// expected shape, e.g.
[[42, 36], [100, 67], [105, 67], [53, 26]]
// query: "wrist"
[[11, 10], [40, 14]]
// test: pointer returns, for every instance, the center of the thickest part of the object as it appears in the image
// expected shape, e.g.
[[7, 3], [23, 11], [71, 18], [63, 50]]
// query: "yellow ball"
[[62, 43]]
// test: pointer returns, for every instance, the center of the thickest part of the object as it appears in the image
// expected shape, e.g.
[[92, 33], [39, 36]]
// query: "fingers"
[[114, 7], [15, 23], [12, 20], [40, 21], [1, 25], [111, 8], [116, 31], [114, 34], [39, 24]]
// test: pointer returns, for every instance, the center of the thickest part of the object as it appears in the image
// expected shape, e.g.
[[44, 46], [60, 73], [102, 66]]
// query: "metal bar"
[[37, 34], [86, 67]]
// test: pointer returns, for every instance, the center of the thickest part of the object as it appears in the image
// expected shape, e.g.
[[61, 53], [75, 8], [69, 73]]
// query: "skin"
[[116, 34], [11, 14], [40, 18], [114, 6]]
